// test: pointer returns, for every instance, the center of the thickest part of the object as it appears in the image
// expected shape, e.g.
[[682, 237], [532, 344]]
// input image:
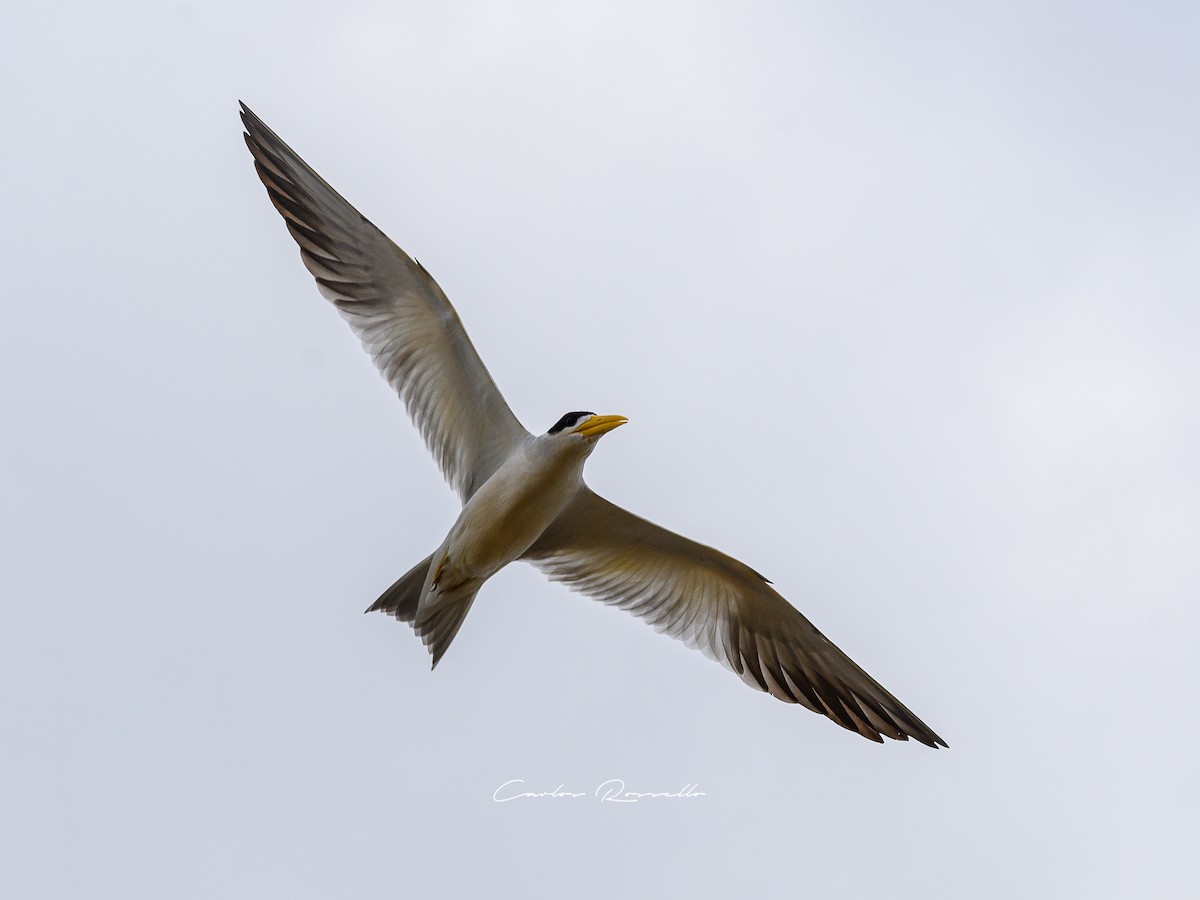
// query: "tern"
[[523, 495]]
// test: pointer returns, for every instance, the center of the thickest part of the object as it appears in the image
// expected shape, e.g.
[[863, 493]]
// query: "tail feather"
[[401, 599], [438, 622], [438, 626]]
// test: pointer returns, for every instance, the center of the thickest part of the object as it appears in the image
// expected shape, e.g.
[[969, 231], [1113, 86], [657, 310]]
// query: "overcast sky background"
[[902, 304]]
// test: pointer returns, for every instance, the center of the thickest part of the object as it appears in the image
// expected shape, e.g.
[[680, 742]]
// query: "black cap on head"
[[569, 419]]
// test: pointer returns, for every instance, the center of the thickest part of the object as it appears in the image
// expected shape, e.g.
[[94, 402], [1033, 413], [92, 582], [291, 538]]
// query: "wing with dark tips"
[[398, 312], [721, 607]]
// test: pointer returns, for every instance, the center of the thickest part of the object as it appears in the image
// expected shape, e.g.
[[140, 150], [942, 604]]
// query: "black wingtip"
[[931, 740], [251, 122]]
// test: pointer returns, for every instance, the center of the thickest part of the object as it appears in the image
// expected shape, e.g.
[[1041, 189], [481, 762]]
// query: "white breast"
[[513, 507]]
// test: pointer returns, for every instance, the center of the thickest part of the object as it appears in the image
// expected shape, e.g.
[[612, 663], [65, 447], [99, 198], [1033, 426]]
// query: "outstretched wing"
[[720, 606], [398, 312]]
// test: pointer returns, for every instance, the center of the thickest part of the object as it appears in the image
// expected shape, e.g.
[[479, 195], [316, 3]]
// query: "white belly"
[[508, 513]]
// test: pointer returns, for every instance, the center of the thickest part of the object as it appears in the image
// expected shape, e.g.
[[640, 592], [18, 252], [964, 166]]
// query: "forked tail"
[[400, 600], [438, 623]]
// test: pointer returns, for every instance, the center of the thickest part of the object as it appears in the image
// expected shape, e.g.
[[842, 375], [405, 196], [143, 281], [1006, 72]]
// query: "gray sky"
[[902, 305]]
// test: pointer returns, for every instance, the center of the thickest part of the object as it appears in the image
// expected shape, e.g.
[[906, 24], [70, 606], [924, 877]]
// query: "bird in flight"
[[524, 496]]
